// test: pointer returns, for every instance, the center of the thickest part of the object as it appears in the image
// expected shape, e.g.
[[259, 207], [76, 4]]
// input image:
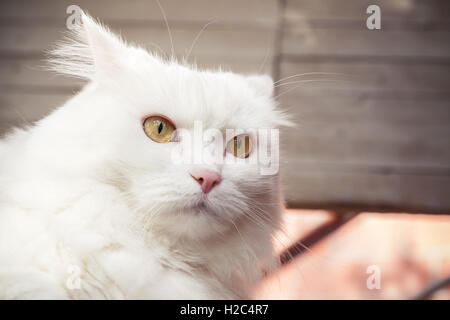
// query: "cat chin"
[[202, 207], [196, 230], [197, 223]]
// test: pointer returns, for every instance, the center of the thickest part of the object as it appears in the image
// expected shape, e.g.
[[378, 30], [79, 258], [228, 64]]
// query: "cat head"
[[139, 111]]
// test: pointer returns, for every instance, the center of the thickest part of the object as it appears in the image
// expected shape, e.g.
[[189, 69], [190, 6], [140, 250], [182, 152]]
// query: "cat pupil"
[[160, 127]]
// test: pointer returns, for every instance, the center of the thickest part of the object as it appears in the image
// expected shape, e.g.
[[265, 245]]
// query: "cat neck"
[[237, 259]]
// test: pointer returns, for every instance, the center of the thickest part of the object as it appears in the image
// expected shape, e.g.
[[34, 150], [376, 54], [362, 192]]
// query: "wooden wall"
[[372, 132], [380, 137]]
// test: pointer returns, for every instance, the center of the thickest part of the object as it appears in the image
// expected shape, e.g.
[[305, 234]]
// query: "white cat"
[[92, 205]]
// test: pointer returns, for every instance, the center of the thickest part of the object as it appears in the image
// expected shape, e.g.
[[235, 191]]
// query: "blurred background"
[[366, 172]]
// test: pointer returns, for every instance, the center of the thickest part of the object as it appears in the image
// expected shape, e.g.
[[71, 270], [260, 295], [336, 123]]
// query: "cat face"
[[140, 112]]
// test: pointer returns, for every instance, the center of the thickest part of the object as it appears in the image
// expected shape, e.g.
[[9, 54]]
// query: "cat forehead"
[[217, 99]]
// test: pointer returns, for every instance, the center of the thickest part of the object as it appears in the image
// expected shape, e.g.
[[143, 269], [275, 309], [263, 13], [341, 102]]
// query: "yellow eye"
[[159, 129], [239, 146]]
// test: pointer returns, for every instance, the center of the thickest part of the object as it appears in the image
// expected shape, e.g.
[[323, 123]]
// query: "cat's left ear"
[[262, 84], [106, 48], [90, 50]]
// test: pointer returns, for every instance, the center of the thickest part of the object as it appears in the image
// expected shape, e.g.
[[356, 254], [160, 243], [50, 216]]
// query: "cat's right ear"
[[90, 50]]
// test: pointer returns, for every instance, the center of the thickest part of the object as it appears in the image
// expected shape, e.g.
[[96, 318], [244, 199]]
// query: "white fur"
[[86, 188]]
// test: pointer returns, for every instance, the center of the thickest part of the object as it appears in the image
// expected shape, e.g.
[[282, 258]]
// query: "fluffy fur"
[[85, 193]]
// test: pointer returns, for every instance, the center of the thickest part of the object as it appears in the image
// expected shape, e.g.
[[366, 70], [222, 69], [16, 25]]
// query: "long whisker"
[[307, 81], [277, 239], [198, 37], [266, 57], [314, 74], [167, 26], [311, 80], [19, 114], [243, 240]]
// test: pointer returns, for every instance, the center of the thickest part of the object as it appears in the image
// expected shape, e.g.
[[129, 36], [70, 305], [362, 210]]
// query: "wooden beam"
[[316, 235]]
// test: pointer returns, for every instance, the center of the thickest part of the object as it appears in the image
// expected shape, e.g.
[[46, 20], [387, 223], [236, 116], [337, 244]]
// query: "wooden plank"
[[378, 144], [324, 187], [236, 11], [31, 72], [242, 44], [323, 110], [298, 41], [429, 10], [28, 107], [363, 75], [323, 89]]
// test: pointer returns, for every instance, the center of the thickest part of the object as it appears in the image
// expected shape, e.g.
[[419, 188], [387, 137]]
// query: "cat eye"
[[239, 146], [159, 129]]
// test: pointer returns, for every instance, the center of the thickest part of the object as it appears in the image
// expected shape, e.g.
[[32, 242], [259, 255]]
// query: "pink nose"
[[206, 178]]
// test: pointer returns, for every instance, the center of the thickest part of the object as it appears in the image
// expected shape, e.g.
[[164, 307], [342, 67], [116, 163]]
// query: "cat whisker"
[[306, 81], [194, 42], [311, 80], [245, 243], [266, 56], [313, 74], [25, 121], [167, 26]]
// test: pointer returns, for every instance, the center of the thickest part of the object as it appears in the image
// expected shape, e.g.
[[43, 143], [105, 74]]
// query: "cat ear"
[[88, 51], [262, 84], [107, 49]]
